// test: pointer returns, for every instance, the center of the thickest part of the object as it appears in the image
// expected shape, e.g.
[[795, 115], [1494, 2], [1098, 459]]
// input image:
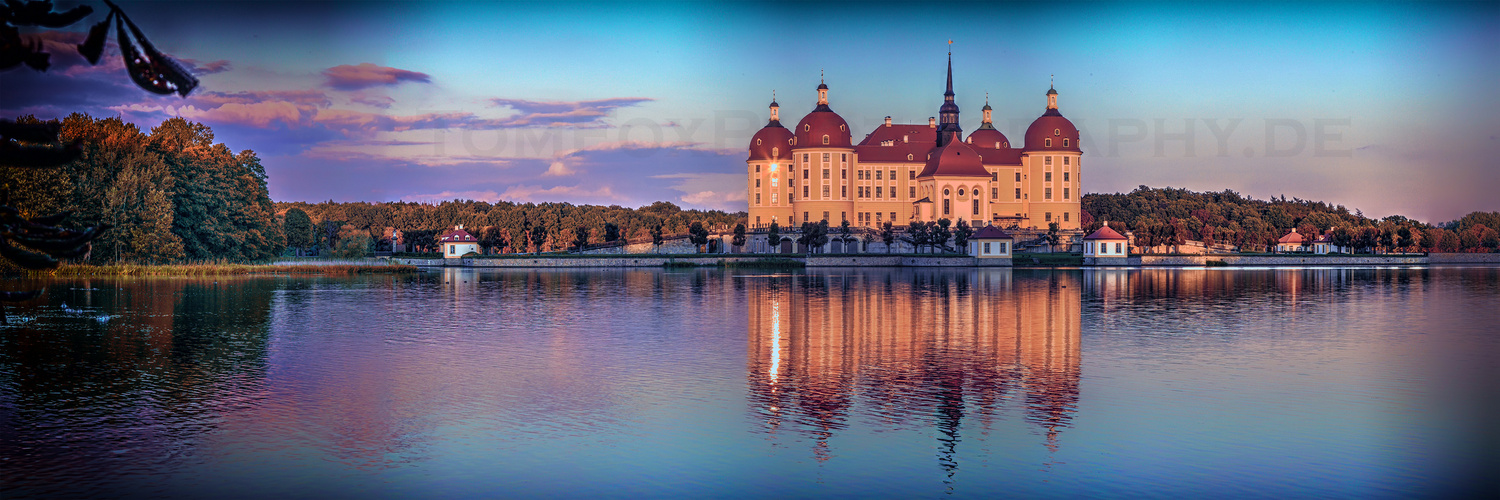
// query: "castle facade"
[[909, 172]]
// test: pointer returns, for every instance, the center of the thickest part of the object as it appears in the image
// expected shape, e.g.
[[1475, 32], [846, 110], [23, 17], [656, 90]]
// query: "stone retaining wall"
[[1284, 260], [707, 260], [1463, 258]]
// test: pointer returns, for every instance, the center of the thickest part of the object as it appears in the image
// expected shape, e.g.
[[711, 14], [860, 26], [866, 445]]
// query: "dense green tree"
[[656, 237], [298, 228], [961, 233], [888, 235], [611, 232], [773, 237], [739, 235], [940, 233], [698, 235], [580, 237], [814, 235]]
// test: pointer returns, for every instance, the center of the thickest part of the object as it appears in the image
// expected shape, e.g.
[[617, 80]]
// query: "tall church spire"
[[948, 129]]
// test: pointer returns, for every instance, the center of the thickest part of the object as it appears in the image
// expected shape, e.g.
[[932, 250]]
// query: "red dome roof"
[[987, 138], [1052, 125], [815, 125], [773, 138], [954, 160]]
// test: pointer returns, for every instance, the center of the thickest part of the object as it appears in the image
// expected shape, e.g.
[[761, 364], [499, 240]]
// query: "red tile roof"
[[919, 140], [773, 138], [1105, 233], [1291, 237], [990, 233], [954, 160], [457, 235]]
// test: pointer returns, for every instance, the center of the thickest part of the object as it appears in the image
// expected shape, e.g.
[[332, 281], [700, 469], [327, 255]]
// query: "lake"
[[1306, 382]]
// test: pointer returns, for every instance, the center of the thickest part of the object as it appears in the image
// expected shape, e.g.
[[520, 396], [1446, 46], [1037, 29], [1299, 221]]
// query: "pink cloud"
[[260, 114], [564, 113], [366, 75]]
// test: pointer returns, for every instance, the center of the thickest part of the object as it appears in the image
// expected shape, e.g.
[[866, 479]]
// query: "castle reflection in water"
[[949, 351]]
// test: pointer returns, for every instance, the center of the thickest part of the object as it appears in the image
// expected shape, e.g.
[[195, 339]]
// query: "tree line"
[[350, 228], [171, 195], [1169, 216]]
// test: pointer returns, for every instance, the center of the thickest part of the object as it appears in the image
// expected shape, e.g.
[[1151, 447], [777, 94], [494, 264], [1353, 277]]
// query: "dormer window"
[[757, 142], [1049, 143], [775, 151], [997, 144], [825, 138], [1065, 143], [807, 127], [841, 127], [1007, 144], [1057, 131], [909, 157]]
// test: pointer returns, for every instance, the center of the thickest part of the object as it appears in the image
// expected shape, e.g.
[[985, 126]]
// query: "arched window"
[[757, 142], [1049, 143], [909, 157], [1065, 143], [945, 191], [807, 127], [825, 138], [841, 127], [960, 191], [1007, 144], [775, 151]]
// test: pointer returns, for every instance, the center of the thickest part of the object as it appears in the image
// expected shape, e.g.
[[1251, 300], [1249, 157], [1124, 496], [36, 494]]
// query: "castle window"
[[1018, 177], [878, 216], [1065, 175], [911, 174], [825, 192], [757, 169], [1047, 160], [844, 157], [1047, 217], [804, 157], [844, 174], [1049, 193], [825, 138], [877, 191], [841, 127], [1047, 177], [825, 157], [1057, 131], [773, 182], [804, 173], [1049, 143], [757, 183], [912, 193], [1065, 193], [843, 191], [976, 206], [960, 191], [826, 174], [877, 175], [775, 151], [825, 215], [1065, 143], [946, 203], [757, 198], [997, 144], [1065, 216], [893, 175], [994, 176], [994, 192], [1066, 158], [893, 215], [757, 142], [945, 192], [804, 192], [1006, 144], [909, 157], [1018, 193], [773, 198]]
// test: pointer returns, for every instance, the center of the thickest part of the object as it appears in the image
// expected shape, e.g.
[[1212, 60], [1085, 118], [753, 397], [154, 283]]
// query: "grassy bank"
[[1047, 259], [221, 270]]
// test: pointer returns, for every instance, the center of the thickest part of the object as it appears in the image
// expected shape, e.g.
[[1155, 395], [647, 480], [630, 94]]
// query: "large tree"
[[298, 228]]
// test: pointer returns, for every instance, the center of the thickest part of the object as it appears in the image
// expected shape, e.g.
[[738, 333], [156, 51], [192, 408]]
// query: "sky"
[[1389, 108]]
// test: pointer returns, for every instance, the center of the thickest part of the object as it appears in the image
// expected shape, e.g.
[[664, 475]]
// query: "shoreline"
[[923, 260]]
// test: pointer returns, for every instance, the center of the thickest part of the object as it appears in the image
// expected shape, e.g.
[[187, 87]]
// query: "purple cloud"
[[366, 75], [564, 113]]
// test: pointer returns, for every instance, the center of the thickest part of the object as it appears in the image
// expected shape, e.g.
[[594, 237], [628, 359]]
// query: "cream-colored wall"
[[781, 210], [1035, 202]]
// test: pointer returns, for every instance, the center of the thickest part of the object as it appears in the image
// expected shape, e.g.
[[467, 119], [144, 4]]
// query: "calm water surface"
[[912, 383]]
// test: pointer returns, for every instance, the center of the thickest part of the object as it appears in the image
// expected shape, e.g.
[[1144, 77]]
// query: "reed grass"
[[222, 270]]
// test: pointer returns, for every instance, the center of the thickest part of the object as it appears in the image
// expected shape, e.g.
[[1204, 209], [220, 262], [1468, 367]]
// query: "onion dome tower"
[[986, 136], [1052, 132], [822, 127], [772, 142], [948, 129]]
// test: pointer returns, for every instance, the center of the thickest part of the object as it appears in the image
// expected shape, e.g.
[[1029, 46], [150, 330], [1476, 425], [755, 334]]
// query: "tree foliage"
[[172, 194]]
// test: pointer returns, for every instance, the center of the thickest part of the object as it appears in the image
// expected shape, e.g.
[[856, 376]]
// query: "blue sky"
[[1393, 104]]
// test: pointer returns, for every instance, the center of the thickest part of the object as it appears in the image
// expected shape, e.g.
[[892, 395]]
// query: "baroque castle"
[[914, 172]]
